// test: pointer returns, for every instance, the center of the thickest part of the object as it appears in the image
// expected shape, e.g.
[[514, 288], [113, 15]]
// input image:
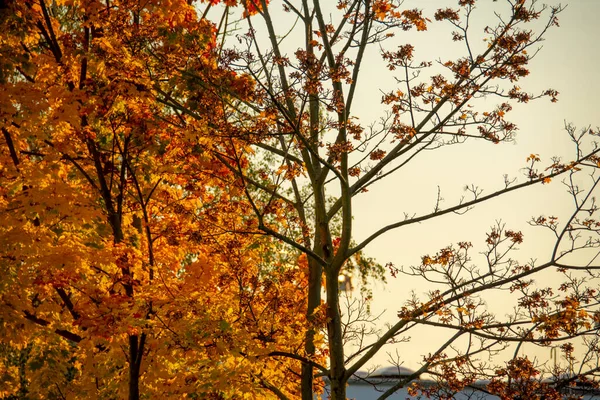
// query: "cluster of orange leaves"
[[520, 378], [118, 224]]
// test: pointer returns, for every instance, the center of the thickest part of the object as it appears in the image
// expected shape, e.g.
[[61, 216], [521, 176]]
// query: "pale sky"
[[567, 62]]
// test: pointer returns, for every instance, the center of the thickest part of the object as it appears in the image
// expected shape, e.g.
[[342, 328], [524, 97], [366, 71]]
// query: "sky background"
[[567, 61]]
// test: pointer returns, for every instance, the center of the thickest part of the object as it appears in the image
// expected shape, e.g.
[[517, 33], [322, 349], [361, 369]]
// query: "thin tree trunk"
[[334, 335], [315, 269], [136, 350], [314, 300]]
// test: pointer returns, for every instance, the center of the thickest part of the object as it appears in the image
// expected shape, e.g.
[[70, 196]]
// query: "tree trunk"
[[314, 299], [136, 350], [134, 383], [334, 335]]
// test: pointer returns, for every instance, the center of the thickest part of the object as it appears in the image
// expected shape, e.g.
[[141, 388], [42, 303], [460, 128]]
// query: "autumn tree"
[[125, 273], [310, 156]]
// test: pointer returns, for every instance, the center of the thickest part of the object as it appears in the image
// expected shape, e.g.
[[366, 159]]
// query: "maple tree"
[[124, 270]]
